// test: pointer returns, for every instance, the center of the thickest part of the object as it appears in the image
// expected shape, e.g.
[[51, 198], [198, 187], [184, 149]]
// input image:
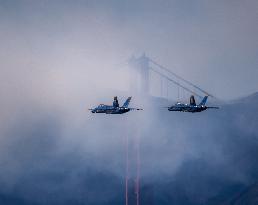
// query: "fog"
[[58, 59]]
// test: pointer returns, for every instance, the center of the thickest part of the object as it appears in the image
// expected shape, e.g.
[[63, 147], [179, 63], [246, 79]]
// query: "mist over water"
[[60, 58], [81, 157]]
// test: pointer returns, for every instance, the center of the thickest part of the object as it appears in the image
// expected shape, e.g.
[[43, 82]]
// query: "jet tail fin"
[[204, 100], [126, 104], [192, 100], [115, 102]]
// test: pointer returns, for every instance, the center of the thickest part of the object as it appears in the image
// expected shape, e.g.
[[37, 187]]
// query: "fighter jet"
[[115, 108], [192, 107]]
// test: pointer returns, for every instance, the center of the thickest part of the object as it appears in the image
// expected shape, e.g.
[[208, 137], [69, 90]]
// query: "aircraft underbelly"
[[100, 111]]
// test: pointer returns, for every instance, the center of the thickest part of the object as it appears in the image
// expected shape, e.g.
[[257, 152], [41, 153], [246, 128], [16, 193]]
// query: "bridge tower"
[[139, 75], [143, 71]]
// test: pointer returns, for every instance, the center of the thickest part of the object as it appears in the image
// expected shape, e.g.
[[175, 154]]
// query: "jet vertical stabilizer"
[[126, 104], [192, 101], [115, 102], [204, 100]]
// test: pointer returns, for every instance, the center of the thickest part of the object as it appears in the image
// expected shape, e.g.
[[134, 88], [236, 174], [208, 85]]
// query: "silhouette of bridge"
[[142, 70]]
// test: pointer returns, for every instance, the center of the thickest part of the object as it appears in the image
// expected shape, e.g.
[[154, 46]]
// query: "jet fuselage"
[[187, 108], [110, 109]]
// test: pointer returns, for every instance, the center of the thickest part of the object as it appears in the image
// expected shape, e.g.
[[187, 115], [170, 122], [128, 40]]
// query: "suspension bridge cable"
[[171, 80], [177, 76]]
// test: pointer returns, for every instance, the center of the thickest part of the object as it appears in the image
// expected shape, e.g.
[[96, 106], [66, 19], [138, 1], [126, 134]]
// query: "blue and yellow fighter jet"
[[115, 108], [192, 107]]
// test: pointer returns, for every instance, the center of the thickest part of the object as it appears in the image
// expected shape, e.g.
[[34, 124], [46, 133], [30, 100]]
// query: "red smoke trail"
[[137, 184], [136, 159], [126, 172]]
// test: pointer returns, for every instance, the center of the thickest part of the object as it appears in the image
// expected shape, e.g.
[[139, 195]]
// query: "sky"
[[210, 43]]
